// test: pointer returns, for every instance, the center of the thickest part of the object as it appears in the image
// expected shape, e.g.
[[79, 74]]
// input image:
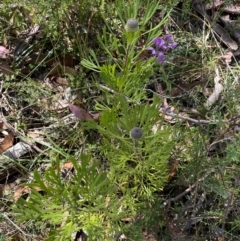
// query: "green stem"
[[165, 78], [126, 59], [139, 158]]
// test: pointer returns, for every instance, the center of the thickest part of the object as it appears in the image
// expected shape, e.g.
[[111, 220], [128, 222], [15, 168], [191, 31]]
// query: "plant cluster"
[[132, 161]]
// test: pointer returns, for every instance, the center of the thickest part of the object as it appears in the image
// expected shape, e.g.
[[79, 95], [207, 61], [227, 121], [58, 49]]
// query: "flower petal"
[[172, 45], [160, 57], [168, 37], [159, 42], [153, 51]]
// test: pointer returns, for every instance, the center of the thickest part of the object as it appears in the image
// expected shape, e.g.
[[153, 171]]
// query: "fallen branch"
[[189, 189], [172, 114], [17, 227]]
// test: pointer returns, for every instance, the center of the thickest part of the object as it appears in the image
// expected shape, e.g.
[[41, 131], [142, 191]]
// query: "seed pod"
[[136, 133], [131, 25]]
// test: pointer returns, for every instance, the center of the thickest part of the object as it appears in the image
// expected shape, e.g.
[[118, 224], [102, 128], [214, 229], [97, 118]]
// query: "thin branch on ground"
[[172, 114], [16, 226], [189, 189]]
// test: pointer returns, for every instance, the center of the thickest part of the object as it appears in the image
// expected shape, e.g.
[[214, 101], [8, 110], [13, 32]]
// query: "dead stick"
[[189, 189]]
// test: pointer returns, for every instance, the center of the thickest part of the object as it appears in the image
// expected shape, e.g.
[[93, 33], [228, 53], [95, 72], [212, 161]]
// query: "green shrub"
[[121, 176]]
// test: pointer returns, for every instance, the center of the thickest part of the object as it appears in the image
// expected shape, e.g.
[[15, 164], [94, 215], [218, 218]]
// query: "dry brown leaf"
[[129, 219], [219, 31], [67, 165], [68, 70], [58, 69], [66, 170], [229, 23], [3, 126], [213, 4], [17, 236], [7, 142], [36, 135], [19, 191], [227, 57], [80, 113], [62, 81], [232, 8], [5, 68]]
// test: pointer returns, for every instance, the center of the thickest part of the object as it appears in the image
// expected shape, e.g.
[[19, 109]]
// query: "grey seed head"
[[136, 133], [131, 25]]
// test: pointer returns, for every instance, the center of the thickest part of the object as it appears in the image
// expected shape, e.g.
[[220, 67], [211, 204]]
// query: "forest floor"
[[120, 120]]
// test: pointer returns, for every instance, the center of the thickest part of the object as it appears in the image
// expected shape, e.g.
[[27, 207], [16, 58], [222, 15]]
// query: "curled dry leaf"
[[21, 190], [215, 95], [227, 57], [216, 92], [80, 113], [62, 81], [67, 165], [232, 8], [213, 4], [231, 24], [7, 142]]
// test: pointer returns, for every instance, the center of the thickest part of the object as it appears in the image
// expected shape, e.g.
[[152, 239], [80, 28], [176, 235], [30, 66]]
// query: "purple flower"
[[165, 47], [168, 37], [172, 45], [152, 50], [161, 46], [160, 57], [158, 42]]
